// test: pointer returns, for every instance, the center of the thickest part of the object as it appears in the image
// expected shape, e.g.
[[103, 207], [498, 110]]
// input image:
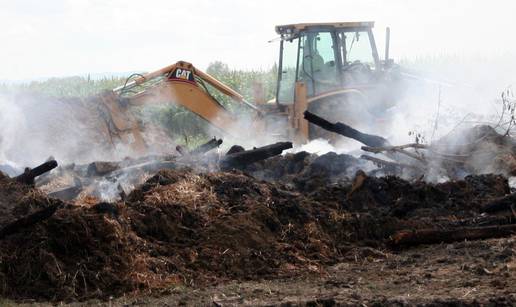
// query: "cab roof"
[[297, 27]]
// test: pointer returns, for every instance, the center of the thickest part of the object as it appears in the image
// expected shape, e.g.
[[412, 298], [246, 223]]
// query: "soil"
[[230, 238], [460, 274]]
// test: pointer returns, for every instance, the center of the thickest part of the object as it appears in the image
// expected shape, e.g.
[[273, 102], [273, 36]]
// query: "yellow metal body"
[[300, 105]]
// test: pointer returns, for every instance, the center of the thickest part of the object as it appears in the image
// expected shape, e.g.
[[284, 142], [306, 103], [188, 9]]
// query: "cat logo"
[[180, 74]]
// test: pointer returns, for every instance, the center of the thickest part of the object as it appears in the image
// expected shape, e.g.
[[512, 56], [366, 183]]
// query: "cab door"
[[320, 61], [287, 74]]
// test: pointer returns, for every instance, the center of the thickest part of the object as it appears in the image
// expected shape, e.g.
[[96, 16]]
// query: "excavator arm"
[[181, 84]]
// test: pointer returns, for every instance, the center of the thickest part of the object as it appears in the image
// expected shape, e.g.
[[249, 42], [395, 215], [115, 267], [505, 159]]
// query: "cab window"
[[319, 68], [287, 73], [357, 48]]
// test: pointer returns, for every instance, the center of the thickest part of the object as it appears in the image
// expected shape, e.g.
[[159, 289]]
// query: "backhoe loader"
[[332, 69]]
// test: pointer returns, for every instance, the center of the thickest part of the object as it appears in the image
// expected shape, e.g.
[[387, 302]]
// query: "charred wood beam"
[[244, 158], [505, 203], [347, 131], [29, 220], [69, 193], [390, 164], [436, 236], [235, 149], [390, 148], [29, 174], [211, 144], [397, 149]]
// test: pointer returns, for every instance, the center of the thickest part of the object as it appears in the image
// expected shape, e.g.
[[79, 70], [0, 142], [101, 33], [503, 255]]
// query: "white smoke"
[[34, 128], [317, 146], [451, 95], [12, 123]]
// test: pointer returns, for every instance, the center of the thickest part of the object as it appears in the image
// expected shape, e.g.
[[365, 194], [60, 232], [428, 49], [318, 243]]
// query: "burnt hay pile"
[[182, 227]]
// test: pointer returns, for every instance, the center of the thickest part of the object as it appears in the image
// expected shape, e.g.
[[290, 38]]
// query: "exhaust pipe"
[[387, 43]]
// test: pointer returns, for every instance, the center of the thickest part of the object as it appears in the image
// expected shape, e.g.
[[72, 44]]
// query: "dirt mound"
[[182, 227], [76, 253], [226, 224]]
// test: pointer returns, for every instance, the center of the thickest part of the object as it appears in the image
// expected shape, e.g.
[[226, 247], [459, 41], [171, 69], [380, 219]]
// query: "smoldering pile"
[[182, 227], [196, 217], [199, 218]]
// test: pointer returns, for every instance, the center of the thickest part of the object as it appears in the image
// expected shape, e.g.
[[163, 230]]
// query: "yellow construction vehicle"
[[330, 68]]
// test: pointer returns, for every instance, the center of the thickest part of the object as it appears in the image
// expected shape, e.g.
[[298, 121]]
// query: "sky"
[[76, 37]]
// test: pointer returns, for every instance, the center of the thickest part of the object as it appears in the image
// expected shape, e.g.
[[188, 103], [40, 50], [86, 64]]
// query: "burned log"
[[398, 149], [436, 236], [29, 174], [244, 158], [505, 203], [235, 149], [347, 131], [29, 220], [392, 166], [211, 144], [68, 193]]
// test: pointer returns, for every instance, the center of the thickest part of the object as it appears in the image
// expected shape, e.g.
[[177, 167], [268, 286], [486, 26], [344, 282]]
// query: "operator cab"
[[326, 57]]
